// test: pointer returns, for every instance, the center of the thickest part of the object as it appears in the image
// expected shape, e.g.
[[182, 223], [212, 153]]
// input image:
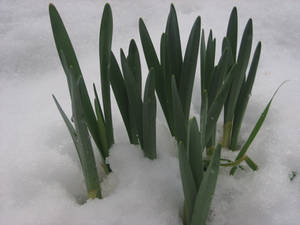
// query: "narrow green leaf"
[[64, 46], [209, 61], [257, 127], [179, 118], [195, 151], [134, 63], [90, 117], [105, 39], [203, 119], [251, 164], [188, 182], [189, 68], [149, 50], [202, 62], [232, 30], [84, 143], [149, 117], [245, 47], [120, 92], [206, 190], [216, 107], [135, 102], [173, 44], [68, 123], [244, 98]]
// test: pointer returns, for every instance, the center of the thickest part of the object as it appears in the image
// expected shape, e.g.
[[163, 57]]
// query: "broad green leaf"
[[195, 151], [206, 190], [188, 182], [149, 117], [105, 39], [189, 67]]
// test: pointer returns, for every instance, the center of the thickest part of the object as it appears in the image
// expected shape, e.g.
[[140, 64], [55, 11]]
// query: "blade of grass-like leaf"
[[84, 143], [173, 45], [216, 107], [120, 92], [244, 98], [206, 190], [202, 61], [257, 127], [179, 119], [90, 118], [68, 124], [209, 62], [245, 47], [135, 102], [64, 46], [188, 182], [195, 151], [189, 68], [203, 119], [149, 50], [134, 63], [149, 117], [105, 39], [232, 30]]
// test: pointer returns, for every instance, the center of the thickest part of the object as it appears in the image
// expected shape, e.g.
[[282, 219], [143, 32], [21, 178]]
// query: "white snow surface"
[[40, 177]]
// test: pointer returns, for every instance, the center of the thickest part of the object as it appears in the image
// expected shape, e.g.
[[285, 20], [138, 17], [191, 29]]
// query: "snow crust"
[[40, 178]]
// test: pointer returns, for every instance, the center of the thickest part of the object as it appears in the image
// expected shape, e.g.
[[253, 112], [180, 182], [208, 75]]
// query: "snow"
[[41, 182]]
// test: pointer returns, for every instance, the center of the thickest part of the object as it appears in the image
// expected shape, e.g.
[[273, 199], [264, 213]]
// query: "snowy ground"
[[40, 178]]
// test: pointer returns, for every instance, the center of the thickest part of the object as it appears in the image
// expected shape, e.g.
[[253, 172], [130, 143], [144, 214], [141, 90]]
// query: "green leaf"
[[245, 48], [189, 67], [202, 62], [203, 119], [64, 46], [173, 46], [90, 118], [134, 63], [206, 190], [179, 118], [149, 117], [188, 183], [135, 102], [120, 92], [149, 50], [232, 30], [105, 40], [216, 107], [100, 120], [195, 151], [257, 127], [244, 97], [209, 62]]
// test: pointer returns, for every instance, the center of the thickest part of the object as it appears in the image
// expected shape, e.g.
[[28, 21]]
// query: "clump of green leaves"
[[139, 116], [84, 117]]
